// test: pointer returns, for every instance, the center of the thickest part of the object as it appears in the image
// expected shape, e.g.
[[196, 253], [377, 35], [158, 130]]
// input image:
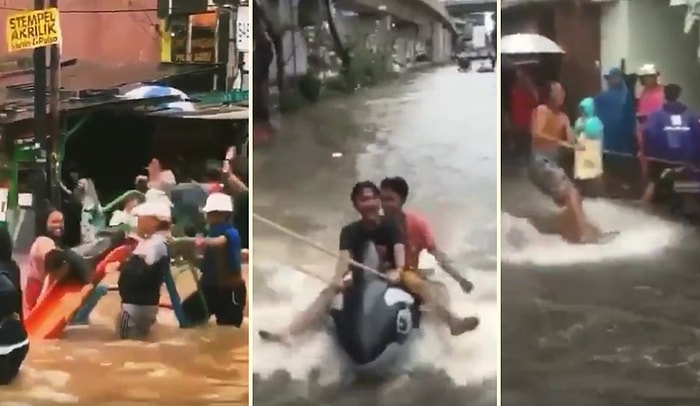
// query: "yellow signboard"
[[33, 29]]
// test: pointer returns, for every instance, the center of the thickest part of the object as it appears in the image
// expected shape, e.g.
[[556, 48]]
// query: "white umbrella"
[[151, 91], [523, 44]]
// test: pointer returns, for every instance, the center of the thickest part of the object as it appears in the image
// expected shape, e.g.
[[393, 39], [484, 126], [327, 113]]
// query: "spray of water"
[[281, 292], [640, 235]]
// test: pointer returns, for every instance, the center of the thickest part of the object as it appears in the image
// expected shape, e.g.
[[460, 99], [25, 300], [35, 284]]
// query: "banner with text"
[[33, 29]]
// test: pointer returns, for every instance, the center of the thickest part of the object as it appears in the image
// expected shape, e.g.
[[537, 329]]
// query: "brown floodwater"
[[89, 365]]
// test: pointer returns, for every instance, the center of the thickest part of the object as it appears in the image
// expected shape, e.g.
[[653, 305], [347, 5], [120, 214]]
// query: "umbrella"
[[150, 91], [522, 44]]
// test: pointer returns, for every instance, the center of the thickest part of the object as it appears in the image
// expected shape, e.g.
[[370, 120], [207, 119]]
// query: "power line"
[[108, 11], [112, 11]]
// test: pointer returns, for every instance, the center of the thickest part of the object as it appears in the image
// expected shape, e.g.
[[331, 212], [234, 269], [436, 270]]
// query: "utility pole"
[[53, 167], [40, 179]]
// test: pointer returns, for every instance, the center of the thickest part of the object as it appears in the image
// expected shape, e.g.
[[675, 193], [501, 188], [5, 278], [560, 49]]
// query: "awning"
[[235, 112], [88, 86]]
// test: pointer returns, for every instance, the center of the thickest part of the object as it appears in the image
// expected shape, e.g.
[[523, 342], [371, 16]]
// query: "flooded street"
[[614, 324], [436, 129], [203, 366]]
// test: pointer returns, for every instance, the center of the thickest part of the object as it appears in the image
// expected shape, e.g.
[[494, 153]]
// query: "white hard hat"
[[158, 209], [648, 69], [218, 202]]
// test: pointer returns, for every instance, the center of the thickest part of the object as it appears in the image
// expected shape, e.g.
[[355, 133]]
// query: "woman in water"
[[14, 343], [48, 240]]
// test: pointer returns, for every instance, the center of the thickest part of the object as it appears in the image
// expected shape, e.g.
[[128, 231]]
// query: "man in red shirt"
[[418, 237], [523, 101]]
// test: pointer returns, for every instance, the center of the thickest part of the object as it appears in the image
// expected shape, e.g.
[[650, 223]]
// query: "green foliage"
[[367, 68]]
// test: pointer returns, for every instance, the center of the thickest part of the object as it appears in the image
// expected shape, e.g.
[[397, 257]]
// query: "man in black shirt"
[[373, 240]]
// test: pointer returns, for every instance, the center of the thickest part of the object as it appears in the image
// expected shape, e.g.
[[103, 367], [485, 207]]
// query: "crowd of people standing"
[[651, 129]]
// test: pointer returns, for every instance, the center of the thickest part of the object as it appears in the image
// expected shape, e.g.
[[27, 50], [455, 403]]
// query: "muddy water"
[[608, 325], [436, 129], [206, 365]]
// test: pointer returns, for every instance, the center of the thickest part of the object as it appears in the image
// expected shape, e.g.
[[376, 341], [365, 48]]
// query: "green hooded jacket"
[[588, 123]]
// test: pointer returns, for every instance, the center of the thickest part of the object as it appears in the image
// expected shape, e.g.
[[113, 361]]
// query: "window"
[[179, 36], [203, 38]]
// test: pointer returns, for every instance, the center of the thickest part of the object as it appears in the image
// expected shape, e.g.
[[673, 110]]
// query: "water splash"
[[641, 235], [281, 292]]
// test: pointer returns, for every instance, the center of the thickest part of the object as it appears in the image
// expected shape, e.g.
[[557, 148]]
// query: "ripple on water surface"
[[206, 365], [641, 235]]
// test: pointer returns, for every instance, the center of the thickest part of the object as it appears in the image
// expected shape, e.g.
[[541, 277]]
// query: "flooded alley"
[[88, 366], [435, 128], [613, 324]]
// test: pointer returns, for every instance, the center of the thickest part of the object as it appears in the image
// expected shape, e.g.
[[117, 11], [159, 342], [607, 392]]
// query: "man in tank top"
[[550, 130]]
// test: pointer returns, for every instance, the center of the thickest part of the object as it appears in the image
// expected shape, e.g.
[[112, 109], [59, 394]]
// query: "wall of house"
[[615, 34], [655, 35], [114, 37], [578, 33]]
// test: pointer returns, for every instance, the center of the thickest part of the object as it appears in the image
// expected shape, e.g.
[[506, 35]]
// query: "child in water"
[[222, 285], [589, 129], [142, 274]]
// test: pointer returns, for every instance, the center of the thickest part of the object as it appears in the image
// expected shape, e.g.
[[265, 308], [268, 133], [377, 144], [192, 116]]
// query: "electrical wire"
[[104, 11]]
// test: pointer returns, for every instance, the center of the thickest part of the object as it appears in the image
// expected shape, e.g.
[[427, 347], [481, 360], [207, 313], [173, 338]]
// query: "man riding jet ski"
[[375, 311]]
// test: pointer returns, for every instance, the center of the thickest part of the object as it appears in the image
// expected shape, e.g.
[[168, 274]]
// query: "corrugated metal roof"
[[209, 112], [98, 84], [82, 74], [16, 112]]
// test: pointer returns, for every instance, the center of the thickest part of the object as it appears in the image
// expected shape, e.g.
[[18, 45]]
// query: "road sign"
[[33, 29]]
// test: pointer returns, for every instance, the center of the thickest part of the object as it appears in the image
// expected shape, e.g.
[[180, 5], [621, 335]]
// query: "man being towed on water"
[[384, 234], [551, 128]]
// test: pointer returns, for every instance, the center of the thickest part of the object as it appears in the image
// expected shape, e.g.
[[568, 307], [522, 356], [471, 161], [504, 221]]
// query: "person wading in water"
[[49, 239], [550, 129], [14, 342]]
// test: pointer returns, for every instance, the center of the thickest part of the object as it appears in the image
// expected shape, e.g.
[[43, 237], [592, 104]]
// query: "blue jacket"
[[221, 264], [672, 133], [616, 109]]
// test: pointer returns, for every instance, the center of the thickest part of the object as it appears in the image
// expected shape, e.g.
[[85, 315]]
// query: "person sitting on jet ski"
[[354, 238], [418, 237]]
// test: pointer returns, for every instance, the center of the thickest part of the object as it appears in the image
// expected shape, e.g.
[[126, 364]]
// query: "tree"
[[265, 26], [340, 49]]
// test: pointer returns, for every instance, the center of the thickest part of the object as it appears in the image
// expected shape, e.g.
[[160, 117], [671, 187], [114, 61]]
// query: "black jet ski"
[[373, 321]]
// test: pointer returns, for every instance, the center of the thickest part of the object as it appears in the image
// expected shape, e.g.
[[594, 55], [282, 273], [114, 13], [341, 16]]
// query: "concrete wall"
[[651, 31], [441, 45]]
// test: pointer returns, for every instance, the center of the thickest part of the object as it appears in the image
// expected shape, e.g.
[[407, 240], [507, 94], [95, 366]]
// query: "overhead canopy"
[[219, 112], [89, 86]]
